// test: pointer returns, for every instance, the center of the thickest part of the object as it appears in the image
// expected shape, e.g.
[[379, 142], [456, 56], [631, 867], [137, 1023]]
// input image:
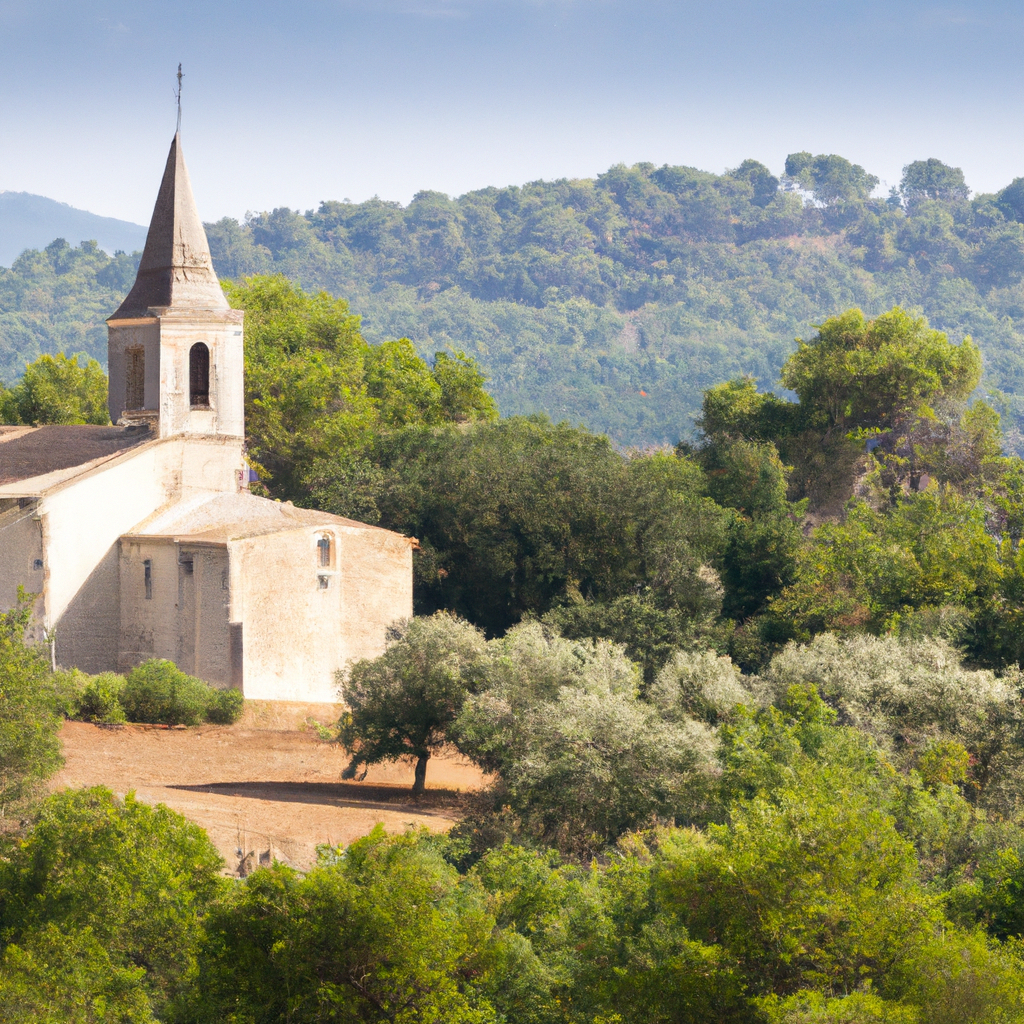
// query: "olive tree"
[[403, 703], [580, 758]]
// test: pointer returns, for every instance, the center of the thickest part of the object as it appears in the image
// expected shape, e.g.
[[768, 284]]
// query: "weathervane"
[[178, 96]]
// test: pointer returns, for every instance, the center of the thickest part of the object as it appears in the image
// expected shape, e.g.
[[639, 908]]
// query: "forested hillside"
[[612, 301]]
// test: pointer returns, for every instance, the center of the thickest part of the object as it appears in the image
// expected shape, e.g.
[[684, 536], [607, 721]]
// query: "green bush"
[[68, 687], [226, 707], [100, 701], [157, 691]]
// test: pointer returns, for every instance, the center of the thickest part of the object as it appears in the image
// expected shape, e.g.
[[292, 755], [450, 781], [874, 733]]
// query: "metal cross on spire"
[[178, 96]]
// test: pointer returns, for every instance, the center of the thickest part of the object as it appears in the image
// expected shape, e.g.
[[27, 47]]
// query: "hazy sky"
[[287, 104]]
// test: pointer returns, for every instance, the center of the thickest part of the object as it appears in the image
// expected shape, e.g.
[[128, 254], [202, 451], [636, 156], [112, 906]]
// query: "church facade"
[[141, 540]]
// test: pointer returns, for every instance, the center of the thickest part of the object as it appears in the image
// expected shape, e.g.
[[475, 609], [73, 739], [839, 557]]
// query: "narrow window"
[[199, 376], [135, 379], [323, 547], [323, 582], [147, 569]]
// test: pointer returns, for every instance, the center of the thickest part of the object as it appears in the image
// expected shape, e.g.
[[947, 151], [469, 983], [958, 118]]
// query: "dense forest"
[[612, 302], [749, 705], [750, 711]]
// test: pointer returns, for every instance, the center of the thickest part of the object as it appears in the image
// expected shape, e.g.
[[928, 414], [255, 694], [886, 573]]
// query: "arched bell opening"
[[199, 376]]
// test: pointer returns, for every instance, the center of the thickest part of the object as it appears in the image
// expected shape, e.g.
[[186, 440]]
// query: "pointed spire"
[[176, 268]]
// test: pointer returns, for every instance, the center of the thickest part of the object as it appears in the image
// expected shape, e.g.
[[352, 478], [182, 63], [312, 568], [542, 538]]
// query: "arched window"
[[323, 550], [199, 375]]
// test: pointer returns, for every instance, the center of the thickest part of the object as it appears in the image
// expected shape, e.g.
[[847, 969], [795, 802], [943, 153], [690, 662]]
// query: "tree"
[[56, 389], [132, 879], [57, 976], [29, 745], [580, 757], [382, 931], [832, 179], [520, 515], [877, 373], [403, 703], [810, 886], [1011, 199], [932, 179], [317, 394]]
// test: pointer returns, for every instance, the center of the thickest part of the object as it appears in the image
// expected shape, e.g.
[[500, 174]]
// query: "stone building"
[[142, 540]]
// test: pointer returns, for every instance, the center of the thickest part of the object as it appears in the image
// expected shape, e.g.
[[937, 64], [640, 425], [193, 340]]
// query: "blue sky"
[[287, 104]]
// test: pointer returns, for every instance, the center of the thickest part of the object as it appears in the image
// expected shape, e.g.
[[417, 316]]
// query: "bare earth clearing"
[[264, 784]]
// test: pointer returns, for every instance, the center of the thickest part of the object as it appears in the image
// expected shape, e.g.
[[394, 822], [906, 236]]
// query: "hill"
[[613, 301], [31, 222]]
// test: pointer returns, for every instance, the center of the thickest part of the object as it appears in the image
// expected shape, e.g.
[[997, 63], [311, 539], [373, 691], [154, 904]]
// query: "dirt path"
[[265, 784]]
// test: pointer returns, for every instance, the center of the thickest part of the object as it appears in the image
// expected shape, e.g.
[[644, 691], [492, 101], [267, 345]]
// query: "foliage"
[[810, 887], [612, 301], [403, 703], [29, 747], [100, 700], [579, 757], [56, 300], [517, 516], [830, 178], [876, 374], [316, 390], [932, 179], [914, 697], [55, 389], [61, 977], [158, 691], [127, 885], [385, 930]]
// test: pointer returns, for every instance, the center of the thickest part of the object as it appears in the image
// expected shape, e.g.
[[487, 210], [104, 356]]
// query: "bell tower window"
[[199, 376], [135, 379]]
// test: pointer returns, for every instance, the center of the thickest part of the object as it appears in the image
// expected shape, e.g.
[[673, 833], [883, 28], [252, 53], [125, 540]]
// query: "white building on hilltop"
[[141, 540]]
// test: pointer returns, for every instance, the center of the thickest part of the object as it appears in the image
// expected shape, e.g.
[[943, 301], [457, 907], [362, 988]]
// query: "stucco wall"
[[376, 575], [167, 340], [185, 616], [144, 334], [295, 633], [222, 334], [83, 520], [21, 547]]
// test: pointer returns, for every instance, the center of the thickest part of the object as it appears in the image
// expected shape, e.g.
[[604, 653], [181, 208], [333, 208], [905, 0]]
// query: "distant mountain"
[[32, 222]]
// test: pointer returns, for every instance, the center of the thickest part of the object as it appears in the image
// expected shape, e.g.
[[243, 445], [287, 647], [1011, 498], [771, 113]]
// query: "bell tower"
[[174, 346]]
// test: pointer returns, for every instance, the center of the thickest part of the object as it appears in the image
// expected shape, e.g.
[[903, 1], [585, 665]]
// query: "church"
[[141, 540]]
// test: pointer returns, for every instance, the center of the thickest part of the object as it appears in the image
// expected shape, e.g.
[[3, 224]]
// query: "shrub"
[[100, 701], [68, 687], [226, 707], [158, 691]]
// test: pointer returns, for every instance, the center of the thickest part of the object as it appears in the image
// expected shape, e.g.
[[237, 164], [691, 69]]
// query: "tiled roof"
[[227, 517], [27, 452]]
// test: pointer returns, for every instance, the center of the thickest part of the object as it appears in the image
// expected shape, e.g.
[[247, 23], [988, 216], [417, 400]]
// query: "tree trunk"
[[421, 774]]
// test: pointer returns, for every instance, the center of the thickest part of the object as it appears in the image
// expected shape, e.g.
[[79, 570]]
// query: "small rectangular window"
[[323, 582], [147, 569]]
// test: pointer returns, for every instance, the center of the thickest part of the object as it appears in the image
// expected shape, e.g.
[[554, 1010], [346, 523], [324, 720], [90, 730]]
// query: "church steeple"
[[174, 348], [176, 269]]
